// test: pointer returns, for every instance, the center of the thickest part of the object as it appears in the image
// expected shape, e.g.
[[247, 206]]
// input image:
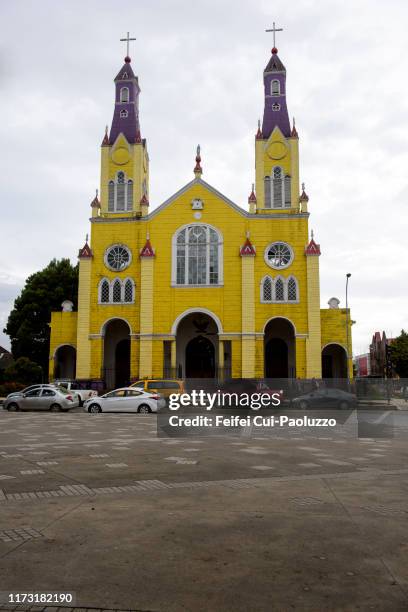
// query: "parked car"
[[163, 386], [127, 399], [325, 398], [76, 387], [30, 388], [42, 398]]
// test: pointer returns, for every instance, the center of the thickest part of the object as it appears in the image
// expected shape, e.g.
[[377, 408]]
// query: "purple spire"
[[126, 113], [275, 110]]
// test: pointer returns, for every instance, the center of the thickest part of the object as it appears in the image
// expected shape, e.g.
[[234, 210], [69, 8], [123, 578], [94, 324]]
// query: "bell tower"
[[124, 159], [276, 144]]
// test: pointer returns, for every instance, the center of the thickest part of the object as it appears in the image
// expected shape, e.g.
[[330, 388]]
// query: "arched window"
[[279, 290], [267, 184], [128, 291], [124, 94], [104, 291], [275, 87], [277, 182], [292, 290], [287, 191], [197, 256], [124, 114], [120, 193], [117, 291], [266, 289]]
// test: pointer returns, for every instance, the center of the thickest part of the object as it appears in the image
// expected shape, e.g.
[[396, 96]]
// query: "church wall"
[[333, 330], [63, 331]]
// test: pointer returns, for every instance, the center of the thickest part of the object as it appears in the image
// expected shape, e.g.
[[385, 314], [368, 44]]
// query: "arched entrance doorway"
[[116, 354], [279, 349], [200, 358], [65, 362], [334, 361], [197, 346]]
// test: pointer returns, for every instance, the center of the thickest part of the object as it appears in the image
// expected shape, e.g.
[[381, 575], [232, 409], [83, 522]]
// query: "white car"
[[74, 387], [127, 399]]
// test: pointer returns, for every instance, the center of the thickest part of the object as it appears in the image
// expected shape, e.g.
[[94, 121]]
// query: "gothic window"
[[292, 290], [128, 291], [266, 289], [120, 194], [275, 88], [278, 255], [197, 252], [123, 113], [277, 182], [267, 184], [287, 191], [124, 94], [104, 291], [117, 257], [279, 290], [117, 291]]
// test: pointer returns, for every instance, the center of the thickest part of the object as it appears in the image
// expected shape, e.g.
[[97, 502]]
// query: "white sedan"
[[127, 399]]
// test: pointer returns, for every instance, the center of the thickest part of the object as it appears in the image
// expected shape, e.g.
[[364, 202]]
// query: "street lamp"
[[347, 327]]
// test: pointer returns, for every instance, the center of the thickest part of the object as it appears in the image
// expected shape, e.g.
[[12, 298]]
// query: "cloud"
[[200, 69]]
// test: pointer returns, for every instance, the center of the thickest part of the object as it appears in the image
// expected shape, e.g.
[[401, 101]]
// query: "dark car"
[[325, 398]]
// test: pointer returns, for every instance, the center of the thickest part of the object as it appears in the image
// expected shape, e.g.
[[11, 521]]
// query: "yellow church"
[[199, 286]]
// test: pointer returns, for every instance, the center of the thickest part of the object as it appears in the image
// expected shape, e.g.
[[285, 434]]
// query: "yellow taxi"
[[159, 385]]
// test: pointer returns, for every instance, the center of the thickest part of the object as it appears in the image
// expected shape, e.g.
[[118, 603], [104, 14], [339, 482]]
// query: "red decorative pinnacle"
[[105, 140], [303, 196], [258, 134], [138, 137], [127, 59], [252, 196], [198, 169], [144, 200], [274, 51], [294, 133], [247, 249], [95, 202], [85, 252], [312, 248], [147, 250]]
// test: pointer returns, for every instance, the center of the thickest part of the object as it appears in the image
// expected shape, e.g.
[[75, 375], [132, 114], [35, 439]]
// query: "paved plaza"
[[100, 507]]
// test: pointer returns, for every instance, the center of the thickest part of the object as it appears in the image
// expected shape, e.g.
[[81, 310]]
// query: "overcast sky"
[[200, 68]]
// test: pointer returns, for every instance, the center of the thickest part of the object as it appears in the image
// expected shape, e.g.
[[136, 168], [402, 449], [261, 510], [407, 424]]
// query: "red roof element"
[[274, 50], [303, 196], [144, 200], [247, 249], [294, 133], [198, 169], [95, 203], [105, 140], [127, 59], [252, 196], [85, 252], [259, 134], [312, 248], [138, 137], [147, 250]]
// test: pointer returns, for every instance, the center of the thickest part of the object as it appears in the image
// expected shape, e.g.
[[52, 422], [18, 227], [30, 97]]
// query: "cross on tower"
[[274, 30], [127, 41]]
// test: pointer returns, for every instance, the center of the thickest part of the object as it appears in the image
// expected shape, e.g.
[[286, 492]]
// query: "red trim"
[[85, 252], [247, 249], [312, 248], [147, 250]]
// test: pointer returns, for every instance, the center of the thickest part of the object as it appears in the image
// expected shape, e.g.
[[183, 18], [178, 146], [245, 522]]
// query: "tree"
[[23, 371], [399, 354], [28, 322]]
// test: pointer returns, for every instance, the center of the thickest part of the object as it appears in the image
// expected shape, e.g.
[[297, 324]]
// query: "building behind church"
[[200, 286]]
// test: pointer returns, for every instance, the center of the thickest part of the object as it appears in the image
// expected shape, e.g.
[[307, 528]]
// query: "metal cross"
[[127, 41], [274, 30]]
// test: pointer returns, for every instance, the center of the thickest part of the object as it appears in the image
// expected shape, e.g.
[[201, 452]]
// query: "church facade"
[[200, 286]]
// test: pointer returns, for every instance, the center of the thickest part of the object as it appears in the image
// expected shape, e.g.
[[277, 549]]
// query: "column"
[[146, 310], [83, 364], [247, 253]]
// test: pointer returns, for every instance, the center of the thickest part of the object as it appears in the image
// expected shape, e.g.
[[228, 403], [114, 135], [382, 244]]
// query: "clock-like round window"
[[118, 257], [278, 255]]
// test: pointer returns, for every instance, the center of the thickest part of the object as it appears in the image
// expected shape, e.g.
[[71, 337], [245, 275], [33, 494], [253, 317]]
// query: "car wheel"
[[12, 407], [303, 405], [144, 409], [94, 409], [55, 408], [344, 405]]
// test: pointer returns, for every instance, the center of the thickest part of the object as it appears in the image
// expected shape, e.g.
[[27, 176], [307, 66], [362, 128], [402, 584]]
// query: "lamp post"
[[347, 327]]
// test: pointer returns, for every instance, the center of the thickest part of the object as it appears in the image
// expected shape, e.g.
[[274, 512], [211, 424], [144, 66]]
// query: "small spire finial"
[[127, 41], [198, 170], [274, 30], [86, 239], [247, 233], [147, 235], [312, 234], [303, 186], [97, 192]]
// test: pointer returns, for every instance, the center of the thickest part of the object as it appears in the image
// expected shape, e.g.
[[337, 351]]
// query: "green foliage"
[[23, 371], [10, 387], [28, 322], [399, 354]]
